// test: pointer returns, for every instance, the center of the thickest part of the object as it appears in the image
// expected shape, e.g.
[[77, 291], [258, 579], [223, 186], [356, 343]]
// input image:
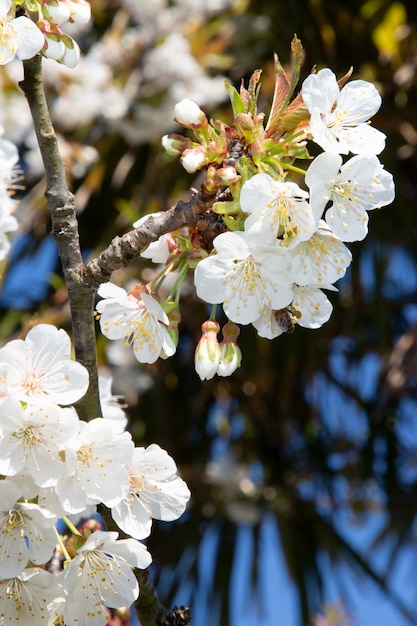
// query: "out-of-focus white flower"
[[140, 322], [110, 405], [39, 368], [95, 460], [353, 188], [276, 210], [244, 278], [19, 36], [31, 439], [155, 492], [27, 599], [101, 575], [339, 118], [9, 157], [26, 532], [80, 10]]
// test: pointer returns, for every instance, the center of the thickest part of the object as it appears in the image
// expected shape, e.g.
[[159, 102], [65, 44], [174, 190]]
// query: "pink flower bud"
[[226, 175], [189, 114], [207, 354]]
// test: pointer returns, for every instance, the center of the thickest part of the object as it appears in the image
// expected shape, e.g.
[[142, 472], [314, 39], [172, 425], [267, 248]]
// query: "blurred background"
[[303, 464]]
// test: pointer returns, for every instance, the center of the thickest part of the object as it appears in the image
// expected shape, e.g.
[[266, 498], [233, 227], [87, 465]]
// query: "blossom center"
[[31, 382], [85, 455], [8, 36], [29, 434], [137, 483]]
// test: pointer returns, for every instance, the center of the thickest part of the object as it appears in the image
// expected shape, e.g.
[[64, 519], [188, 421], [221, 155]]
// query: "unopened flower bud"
[[193, 159], [244, 121], [53, 48], [231, 356], [207, 354], [72, 51], [226, 175], [189, 114], [55, 11], [175, 144]]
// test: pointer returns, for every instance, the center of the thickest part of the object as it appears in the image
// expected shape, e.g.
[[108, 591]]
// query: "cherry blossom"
[[246, 279], [101, 575], [339, 118], [31, 439], [155, 491], [276, 210], [140, 322], [353, 188], [26, 532], [323, 259], [27, 599], [19, 36], [39, 368], [95, 460]]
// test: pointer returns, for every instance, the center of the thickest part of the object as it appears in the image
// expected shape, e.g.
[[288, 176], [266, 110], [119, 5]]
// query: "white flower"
[[18, 37], [31, 440], [95, 460], [339, 117], [244, 278], [311, 306], [155, 492], [26, 532], [358, 186], [40, 369], [139, 322], [101, 574], [26, 599], [323, 259], [277, 210]]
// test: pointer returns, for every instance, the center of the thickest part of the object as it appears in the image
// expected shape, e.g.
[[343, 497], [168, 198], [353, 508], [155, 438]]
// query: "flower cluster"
[[53, 465], [284, 228], [22, 38]]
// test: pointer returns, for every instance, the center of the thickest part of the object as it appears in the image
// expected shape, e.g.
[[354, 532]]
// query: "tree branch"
[[123, 250], [61, 205]]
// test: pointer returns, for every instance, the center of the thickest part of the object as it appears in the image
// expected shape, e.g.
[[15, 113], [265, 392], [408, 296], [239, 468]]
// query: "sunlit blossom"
[[155, 491], [139, 321], [246, 279], [39, 368], [353, 188], [339, 117]]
